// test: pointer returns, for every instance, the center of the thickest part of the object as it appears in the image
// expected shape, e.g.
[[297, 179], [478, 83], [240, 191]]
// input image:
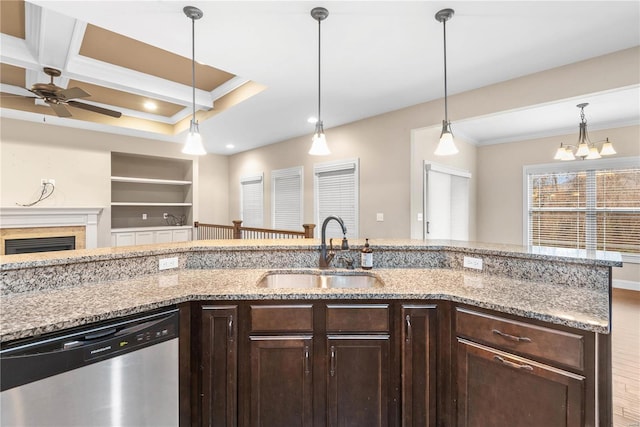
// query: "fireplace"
[[39, 244], [19, 223]]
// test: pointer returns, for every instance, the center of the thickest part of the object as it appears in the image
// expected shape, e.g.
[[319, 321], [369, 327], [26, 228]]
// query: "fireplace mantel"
[[24, 217]]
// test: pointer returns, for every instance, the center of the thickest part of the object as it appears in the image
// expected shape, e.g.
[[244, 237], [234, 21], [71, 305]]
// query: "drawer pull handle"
[[512, 364], [408, 320], [511, 337], [333, 361], [306, 360]]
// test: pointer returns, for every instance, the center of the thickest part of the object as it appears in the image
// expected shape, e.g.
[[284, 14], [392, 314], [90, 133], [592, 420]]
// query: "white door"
[[446, 203]]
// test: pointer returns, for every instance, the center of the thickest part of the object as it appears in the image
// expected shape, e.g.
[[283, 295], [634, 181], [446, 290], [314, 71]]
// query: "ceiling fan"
[[58, 98]]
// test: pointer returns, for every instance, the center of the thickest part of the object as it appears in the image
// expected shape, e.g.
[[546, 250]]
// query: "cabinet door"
[[125, 239], [219, 365], [181, 235], [144, 237], [281, 381], [497, 389], [164, 236], [358, 380], [418, 352]]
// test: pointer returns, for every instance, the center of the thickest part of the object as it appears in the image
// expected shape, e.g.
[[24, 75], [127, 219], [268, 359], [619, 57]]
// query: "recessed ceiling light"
[[312, 119], [230, 146], [150, 105]]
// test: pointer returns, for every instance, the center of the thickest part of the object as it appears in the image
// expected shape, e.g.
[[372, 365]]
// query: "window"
[[251, 208], [286, 196], [336, 186], [592, 205]]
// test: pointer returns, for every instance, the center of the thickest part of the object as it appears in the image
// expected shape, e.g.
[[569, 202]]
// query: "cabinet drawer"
[[282, 318], [358, 318], [536, 341]]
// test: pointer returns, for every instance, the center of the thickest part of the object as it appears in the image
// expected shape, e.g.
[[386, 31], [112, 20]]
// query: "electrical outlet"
[[475, 263], [167, 263], [379, 217], [144, 216]]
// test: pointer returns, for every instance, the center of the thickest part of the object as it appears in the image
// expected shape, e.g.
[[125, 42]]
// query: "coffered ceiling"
[[256, 72]]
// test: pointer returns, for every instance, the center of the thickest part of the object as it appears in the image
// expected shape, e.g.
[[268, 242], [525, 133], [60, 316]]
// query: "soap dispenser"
[[366, 256]]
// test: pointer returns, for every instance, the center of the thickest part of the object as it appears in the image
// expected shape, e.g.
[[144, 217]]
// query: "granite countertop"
[[33, 313]]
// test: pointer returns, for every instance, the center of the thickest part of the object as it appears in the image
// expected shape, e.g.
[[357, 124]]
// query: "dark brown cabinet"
[[219, 365], [497, 387], [418, 365]]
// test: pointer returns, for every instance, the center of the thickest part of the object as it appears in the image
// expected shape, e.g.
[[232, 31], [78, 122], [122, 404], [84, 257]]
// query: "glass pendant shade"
[[583, 150], [193, 144], [607, 149], [593, 154], [319, 145], [568, 155], [560, 153], [446, 146]]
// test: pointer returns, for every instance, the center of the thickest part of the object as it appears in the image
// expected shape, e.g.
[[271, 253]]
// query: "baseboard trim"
[[626, 284]]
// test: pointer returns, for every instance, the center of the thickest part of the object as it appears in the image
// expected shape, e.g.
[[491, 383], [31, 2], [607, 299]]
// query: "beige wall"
[[80, 162]]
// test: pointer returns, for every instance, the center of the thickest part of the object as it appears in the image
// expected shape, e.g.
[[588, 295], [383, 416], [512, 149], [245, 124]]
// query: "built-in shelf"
[[149, 180], [148, 192]]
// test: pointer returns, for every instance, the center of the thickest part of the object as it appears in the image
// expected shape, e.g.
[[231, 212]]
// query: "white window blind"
[[251, 199], [286, 196], [336, 193], [594, 209]]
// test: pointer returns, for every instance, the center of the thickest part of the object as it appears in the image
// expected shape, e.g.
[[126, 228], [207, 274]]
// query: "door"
[[219, 366], [357, 380], [418, 352], [446, 202], [497, 389], [281, 381]]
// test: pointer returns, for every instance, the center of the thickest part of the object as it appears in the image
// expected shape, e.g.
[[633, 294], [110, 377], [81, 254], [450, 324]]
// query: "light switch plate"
[[167, 263], [475, 263], [379, 217]]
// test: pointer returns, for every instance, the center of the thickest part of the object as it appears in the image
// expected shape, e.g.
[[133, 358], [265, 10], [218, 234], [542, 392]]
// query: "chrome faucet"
[[326, 258]]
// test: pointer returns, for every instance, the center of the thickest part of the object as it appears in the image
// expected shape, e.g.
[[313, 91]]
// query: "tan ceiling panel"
[[12, 75], [127, 100], [117, 49], [12, 18]]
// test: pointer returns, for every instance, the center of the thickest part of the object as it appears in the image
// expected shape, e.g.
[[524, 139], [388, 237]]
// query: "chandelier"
[[584, 148]]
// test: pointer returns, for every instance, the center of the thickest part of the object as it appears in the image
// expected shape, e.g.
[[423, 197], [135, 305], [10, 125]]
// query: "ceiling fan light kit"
[[446, 145], [584, 149], [193, 145], [319, 145]]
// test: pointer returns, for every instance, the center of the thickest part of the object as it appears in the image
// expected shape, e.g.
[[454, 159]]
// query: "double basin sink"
[[319, 279]]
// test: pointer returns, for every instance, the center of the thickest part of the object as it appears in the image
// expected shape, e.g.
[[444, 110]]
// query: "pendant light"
[[319, 146], [584, 148], [193, 144], [446, 146]]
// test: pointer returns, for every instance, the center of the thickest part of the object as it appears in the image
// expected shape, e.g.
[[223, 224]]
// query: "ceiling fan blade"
[[59, 109], [73, 92], [95, 109]]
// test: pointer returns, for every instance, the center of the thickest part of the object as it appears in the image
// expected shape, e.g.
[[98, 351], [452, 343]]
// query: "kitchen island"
[[544, 291]]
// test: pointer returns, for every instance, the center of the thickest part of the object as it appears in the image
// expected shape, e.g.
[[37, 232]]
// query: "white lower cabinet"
[[148, 237]]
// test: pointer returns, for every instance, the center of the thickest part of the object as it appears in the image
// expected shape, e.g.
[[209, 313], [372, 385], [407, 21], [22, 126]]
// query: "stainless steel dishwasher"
[[121, 373]]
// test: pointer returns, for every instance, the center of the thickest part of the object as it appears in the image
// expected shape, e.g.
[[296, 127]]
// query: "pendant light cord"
[[446, 110], [319, 39], [193, 67]]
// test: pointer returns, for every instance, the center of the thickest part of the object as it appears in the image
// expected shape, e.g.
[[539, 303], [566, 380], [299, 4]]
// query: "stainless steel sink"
[[319, 280]]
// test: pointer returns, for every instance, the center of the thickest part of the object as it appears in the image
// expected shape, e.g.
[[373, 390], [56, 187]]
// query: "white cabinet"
[[164, 236], [142, 236]]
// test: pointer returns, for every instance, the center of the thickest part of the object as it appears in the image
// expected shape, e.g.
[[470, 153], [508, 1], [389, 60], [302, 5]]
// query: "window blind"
[[251, 199], [286, 196], [596, 209], [336, 193]]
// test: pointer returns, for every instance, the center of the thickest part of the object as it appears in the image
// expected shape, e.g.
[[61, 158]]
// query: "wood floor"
[[626, 358]]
